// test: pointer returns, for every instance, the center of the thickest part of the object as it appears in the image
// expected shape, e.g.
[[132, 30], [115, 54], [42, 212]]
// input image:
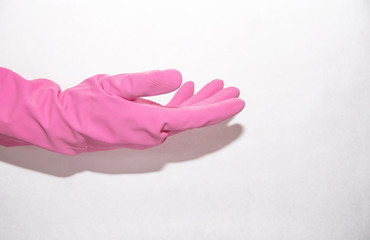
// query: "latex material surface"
[[107, 112]]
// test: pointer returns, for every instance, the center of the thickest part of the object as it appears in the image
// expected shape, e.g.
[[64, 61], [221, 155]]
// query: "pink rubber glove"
[[106, 112]]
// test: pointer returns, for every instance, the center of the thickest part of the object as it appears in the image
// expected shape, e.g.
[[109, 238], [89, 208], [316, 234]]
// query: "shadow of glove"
[[103, 112]]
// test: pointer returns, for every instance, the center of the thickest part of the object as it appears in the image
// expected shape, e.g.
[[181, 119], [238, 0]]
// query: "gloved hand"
[[107, 112]]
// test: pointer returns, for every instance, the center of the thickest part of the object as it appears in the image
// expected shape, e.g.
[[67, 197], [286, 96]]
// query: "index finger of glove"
[[183, 118]]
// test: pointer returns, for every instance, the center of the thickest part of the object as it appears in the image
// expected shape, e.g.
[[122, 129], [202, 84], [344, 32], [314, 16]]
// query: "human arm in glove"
[[106, 112]]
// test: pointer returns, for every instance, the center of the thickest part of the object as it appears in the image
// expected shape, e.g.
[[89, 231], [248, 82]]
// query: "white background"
[[294, 164]]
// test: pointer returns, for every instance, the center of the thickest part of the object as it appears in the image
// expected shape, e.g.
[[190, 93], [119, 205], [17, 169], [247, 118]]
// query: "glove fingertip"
[[174, 78]]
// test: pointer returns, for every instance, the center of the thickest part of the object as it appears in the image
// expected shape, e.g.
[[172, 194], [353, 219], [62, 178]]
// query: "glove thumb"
[[149, 83]]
